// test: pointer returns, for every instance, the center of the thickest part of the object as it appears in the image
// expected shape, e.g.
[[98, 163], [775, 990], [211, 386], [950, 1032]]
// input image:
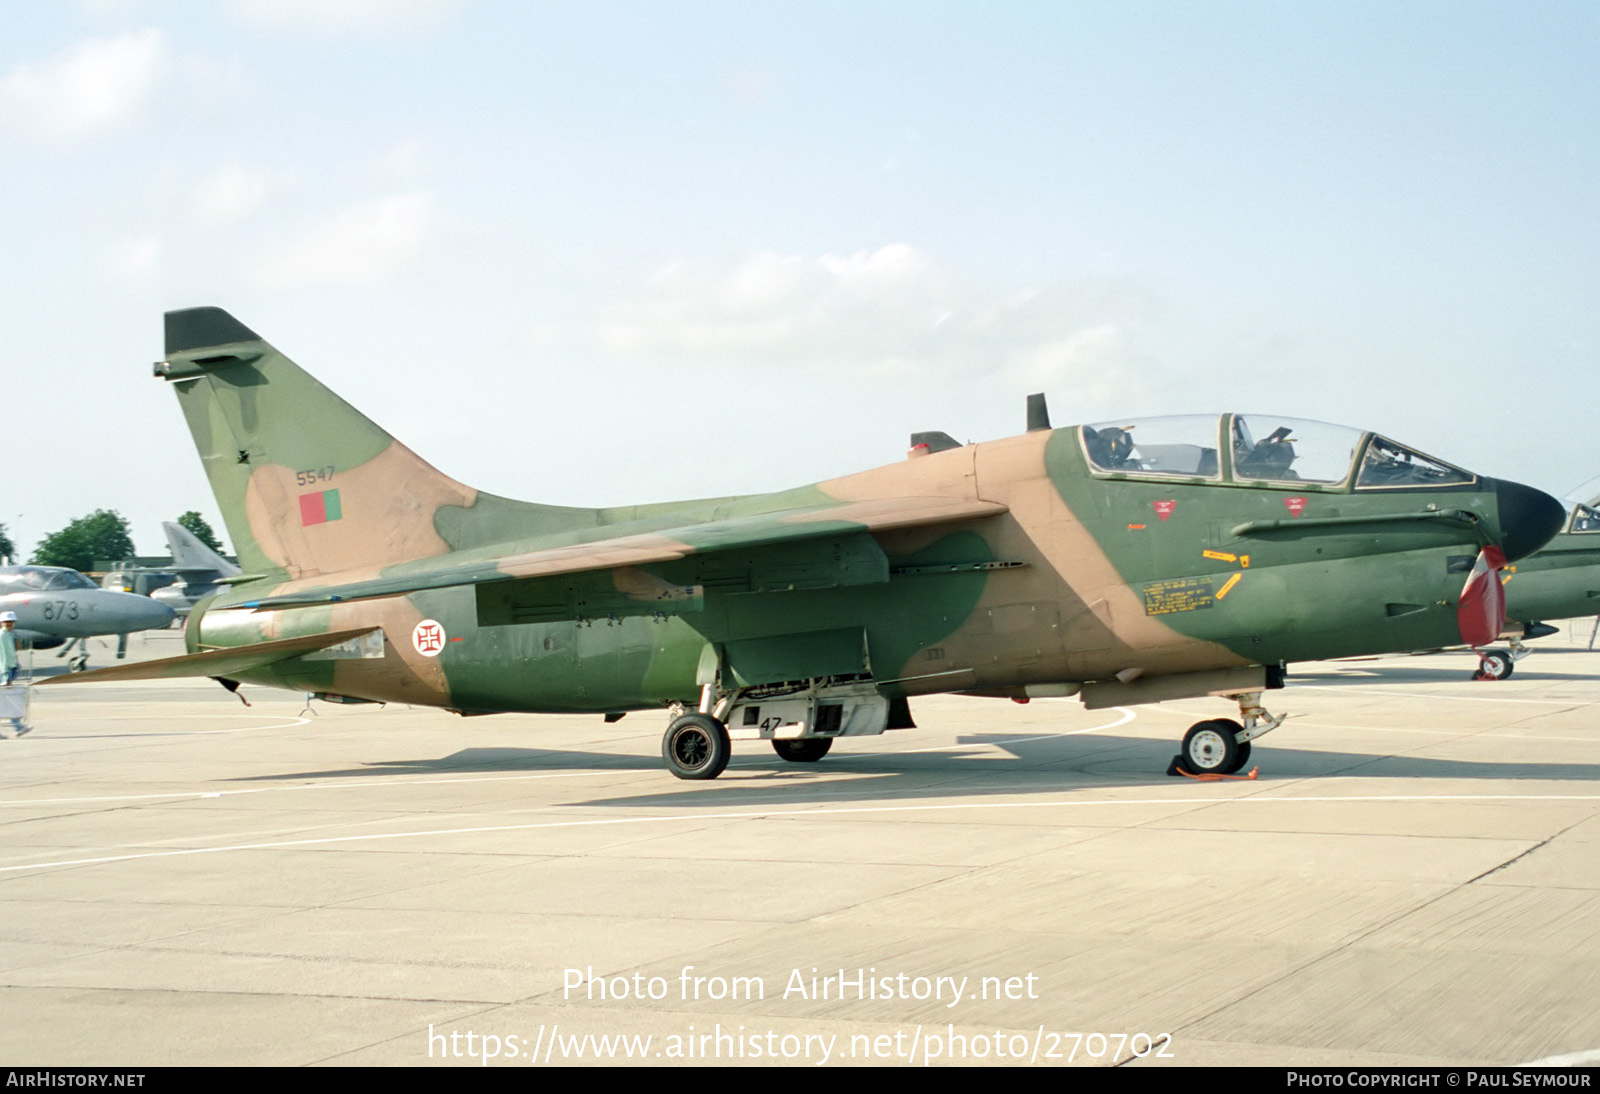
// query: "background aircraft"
[[1560, 581], [196, 572], [200, 570], [1129, 562], [60, 607]]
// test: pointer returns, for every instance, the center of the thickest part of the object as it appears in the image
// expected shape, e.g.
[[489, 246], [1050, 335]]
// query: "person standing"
[[9, 665]]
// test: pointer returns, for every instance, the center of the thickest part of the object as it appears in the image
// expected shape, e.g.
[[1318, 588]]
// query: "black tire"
[[806, 750], [696, 746], [1242, 760], [1494, 665], [1210, 748]]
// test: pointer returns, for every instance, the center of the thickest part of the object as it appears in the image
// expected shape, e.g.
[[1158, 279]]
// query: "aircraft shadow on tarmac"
[[480, 761], [1045, 762], [1424, 674], [1050, 763]]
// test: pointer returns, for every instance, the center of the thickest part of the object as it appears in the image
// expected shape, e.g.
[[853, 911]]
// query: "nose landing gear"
[[1497, 664]]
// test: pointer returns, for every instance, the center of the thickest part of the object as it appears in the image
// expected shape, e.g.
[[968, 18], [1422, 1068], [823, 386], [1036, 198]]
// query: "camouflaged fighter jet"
[[1129, 562], [1560, 581]]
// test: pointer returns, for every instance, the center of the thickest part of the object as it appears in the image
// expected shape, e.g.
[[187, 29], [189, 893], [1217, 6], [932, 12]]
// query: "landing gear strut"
[[1221, 746], [80, 660]]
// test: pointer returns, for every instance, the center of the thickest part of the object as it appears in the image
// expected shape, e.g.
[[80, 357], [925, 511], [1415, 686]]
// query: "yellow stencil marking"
[[1220, 556], [1228, 584]]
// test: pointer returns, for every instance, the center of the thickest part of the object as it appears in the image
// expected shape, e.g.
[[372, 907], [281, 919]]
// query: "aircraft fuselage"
[[1086, 575]]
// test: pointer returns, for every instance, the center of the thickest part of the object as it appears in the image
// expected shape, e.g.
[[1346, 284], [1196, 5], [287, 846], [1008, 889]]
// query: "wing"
[[668, 545]]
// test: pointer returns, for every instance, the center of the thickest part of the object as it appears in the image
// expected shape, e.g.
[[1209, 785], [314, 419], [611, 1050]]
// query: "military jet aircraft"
[[201, 571], [1127, 562], [1560, 581], [60, 607]]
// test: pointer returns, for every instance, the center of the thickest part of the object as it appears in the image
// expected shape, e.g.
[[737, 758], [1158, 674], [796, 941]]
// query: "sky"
[[604, 253]]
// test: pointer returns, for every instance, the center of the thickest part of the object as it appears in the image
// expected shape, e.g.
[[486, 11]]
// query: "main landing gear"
[[1221, 746], [799, 720], [696, 746], [80, 660], [806, 750]]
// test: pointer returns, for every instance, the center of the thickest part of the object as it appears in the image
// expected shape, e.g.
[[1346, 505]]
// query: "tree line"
[[103, 534]]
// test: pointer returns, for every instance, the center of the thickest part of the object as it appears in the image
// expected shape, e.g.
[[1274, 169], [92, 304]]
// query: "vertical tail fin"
[[193, 557], [307, 484]]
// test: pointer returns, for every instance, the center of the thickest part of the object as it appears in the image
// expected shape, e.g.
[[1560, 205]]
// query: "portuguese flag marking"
[[319, 508]]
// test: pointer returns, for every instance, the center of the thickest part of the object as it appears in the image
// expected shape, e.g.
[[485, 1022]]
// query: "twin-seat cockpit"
[[1261, 448]]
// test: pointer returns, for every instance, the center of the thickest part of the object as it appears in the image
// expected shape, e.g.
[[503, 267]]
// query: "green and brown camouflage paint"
[[983, 568]]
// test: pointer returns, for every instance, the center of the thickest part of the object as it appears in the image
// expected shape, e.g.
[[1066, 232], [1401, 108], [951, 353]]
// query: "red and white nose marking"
[[1481, 611]]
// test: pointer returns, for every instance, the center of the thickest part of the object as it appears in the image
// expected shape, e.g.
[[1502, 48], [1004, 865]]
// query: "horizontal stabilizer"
[[202, 328], [667, 545], [225, 662]]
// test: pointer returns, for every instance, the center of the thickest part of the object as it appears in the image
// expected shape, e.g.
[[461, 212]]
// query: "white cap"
[[8, 617]]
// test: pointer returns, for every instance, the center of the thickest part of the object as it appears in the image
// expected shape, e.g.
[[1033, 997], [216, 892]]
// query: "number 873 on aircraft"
[[1126, 562]]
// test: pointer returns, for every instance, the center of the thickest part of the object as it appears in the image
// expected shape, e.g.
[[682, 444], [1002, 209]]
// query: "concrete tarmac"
[[1412, 879]]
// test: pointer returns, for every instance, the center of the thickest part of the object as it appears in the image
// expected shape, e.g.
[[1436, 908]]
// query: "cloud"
[[890, 311], [135, 258], [98, 84], [232, 194], [405, 157], [362, 244], [336, 18]]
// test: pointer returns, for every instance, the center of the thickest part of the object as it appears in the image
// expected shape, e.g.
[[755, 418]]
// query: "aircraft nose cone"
[[140, 613], [161, 615], [1528, 518]]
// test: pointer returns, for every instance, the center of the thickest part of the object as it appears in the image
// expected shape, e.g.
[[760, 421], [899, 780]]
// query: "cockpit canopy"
[[1585, 517], [1585, 507], [1262, 448], [38, 579]]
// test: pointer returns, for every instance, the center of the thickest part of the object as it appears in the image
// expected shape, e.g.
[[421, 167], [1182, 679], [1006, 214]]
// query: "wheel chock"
[[1212, 776], [1176, 768]]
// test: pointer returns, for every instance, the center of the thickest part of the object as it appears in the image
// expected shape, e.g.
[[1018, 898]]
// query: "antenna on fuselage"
[[933, 441], [1038, 413]]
